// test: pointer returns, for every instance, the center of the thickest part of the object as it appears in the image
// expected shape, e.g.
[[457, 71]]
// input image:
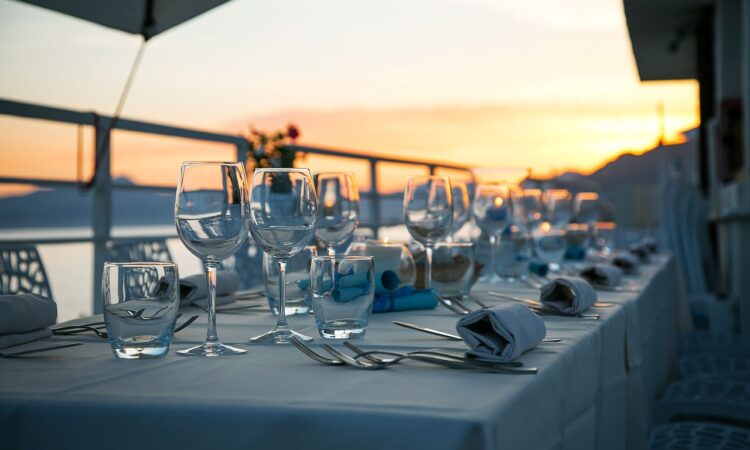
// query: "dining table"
[[593, 390]]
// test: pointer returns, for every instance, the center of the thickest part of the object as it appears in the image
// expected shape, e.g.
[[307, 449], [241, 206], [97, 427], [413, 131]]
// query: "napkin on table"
[[568, 295], [602, 275], [406, 298], [502, 332], [628, 263], [25, 318], [194, 289]]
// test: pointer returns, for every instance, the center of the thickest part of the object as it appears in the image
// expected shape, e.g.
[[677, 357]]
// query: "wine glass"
[[550, 244], [586, 207], [338, 208], [428, 214], [492, 212], [283, 217], [533, 204], [461, 206], [211, 211], [559, 203]]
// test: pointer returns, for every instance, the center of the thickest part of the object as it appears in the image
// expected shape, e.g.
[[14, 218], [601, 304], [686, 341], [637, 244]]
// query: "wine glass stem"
[[428, 266], [493, 247], [211, 335], [281, 322]]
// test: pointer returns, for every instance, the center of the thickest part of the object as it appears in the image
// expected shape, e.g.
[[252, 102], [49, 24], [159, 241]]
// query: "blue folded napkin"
[[25, 318], [602, 275], [540, 268], [194, 289], [501, 333], [406, 298], [568, 295], [641, 251], [651, 244], [385, 281], [575, 252], [628, 263]]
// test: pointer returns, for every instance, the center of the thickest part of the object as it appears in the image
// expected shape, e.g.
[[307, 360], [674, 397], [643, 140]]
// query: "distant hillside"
[[69, 207], [630, 169]]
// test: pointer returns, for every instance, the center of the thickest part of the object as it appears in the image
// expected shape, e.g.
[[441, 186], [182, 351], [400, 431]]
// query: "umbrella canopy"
[[145, 17]]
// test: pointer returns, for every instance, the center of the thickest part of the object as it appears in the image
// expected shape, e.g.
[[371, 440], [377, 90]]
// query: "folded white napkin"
[[194, 289], [25, 318], [502, 332], [627, 262], [568, 295], [602, 275]]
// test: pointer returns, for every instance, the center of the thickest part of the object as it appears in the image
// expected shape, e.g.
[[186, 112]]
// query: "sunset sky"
[[548, 84]]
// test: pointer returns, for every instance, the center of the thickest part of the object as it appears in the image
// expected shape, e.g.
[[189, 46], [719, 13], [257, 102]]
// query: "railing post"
[[102, 210], [374, 196], [432, 169]]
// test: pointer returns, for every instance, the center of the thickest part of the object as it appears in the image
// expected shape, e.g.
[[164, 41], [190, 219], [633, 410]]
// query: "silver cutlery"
[[453, 306], [538, 304], [430, 353], [443, 360], [443, 334], [15, 354], [97, 328]]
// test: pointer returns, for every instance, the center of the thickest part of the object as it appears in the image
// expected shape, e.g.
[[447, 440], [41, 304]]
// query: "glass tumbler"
[[141, 300], [343, 291], [453, 269]]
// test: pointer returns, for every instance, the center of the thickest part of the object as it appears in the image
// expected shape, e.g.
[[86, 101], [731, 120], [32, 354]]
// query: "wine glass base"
[[279, 337], [210, 349]]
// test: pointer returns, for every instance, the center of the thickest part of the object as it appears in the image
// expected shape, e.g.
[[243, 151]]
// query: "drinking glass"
[[550, 244], [513, 253], [428, 214], [461, 206], [559, 203], [453, 269], [283, 217], [586, 207], [297, 282], [533, 204], [211, 211], [492, 212], [140, 307], [338, 208], [343, 289]]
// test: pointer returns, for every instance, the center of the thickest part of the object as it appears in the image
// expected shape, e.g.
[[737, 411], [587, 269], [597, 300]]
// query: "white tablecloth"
[[593, 389]]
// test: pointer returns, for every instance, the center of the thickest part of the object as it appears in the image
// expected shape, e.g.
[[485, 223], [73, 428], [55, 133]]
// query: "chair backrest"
[[22, 271], [155, 250]]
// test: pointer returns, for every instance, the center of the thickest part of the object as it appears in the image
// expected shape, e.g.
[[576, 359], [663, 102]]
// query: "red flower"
[[292, 131]]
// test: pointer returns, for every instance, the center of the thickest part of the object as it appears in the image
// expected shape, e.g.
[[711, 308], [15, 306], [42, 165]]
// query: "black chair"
[[22, 271]]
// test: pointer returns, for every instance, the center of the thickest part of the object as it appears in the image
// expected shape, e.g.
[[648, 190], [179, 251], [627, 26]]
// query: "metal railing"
[[101, 220]]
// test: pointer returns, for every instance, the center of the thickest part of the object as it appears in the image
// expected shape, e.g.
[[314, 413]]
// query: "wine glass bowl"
[[586, 208], [338, 208], [428, 213], [559, 206], [283, 217], [492, 211], [461, 205], [211, 212]]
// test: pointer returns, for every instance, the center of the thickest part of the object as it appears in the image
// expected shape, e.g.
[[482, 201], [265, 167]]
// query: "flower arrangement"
[[272, 149]]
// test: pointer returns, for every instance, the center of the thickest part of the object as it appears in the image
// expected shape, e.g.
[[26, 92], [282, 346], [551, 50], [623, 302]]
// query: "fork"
[[78, 329], [368, 354], [443, 360]]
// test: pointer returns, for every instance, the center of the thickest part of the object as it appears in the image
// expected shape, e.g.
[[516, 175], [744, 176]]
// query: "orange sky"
[[545, 84]]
